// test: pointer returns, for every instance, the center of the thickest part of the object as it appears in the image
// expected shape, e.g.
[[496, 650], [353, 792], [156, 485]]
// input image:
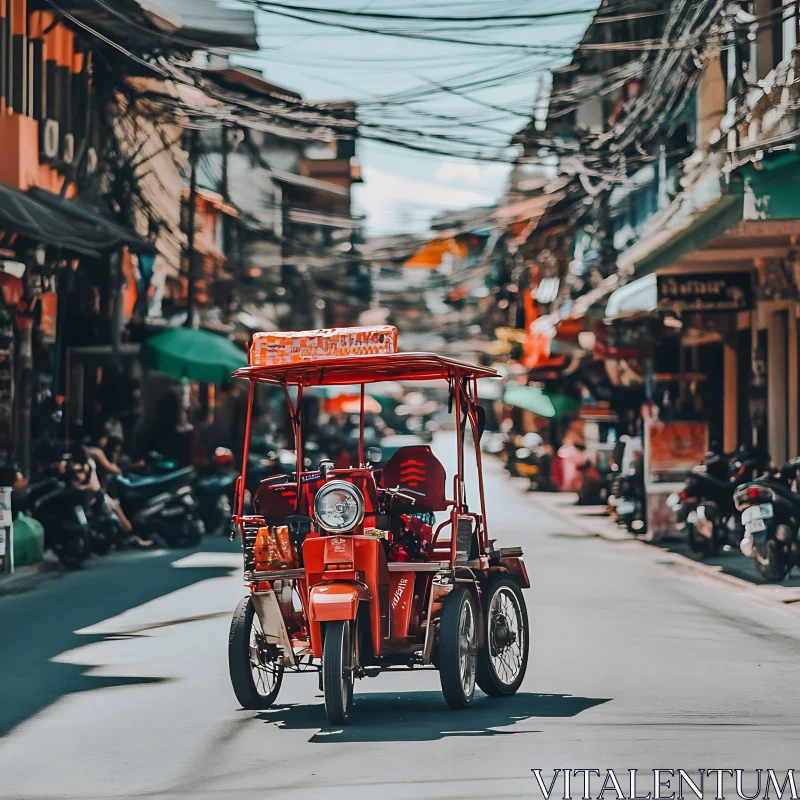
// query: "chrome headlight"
[[338, 507]]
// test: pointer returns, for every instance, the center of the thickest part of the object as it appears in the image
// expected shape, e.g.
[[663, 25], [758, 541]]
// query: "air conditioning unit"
[[68, 153], [50, 140]]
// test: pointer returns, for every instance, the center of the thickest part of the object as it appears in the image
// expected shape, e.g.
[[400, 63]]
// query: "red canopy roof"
[[366, 369]]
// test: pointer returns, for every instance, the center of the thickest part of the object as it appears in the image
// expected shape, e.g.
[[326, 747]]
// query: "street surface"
[[113, 683]]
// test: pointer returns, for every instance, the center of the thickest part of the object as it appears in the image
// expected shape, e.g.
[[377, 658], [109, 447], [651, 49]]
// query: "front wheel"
[[338, 670], [256, 675], [771, 562], [76, 547], [458, 647], [503, 659]]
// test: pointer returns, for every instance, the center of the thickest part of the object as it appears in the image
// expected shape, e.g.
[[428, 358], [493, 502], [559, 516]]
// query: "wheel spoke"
[[506, 635]]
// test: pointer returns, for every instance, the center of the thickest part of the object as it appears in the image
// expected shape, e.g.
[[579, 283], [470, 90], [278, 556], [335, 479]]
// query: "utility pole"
[[190, 225], [224, 150]]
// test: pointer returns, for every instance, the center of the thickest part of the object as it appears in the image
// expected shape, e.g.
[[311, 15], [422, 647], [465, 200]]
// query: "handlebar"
[[405, 494]]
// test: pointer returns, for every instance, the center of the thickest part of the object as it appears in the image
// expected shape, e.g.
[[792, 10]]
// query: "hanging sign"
[[705, 292]]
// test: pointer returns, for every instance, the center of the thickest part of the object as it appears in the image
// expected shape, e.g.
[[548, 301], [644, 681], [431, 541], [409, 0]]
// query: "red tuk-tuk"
[[349, 573]]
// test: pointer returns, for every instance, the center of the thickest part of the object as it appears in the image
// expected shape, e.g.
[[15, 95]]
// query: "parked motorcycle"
[[628, 501], [60, 509], [160, 505], [705, 508], [770, 513], [213, 491]]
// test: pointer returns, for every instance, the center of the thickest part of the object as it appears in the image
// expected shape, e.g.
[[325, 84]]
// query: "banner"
[[672, 447]]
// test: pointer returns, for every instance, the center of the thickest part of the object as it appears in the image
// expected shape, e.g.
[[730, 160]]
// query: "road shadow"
[[425, 717], [40, 625]]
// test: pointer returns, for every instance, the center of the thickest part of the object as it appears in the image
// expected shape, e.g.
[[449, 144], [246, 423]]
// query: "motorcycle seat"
[[132, 484], [415, 467]]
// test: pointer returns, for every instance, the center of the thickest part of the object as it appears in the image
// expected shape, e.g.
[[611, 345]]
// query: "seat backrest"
[[416, 467]]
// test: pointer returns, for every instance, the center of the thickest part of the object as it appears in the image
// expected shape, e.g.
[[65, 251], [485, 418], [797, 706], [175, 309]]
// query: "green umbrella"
[[531, 398], [197, 355]]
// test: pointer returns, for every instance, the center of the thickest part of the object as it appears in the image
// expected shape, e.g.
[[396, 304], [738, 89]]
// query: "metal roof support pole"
[[361, 462]]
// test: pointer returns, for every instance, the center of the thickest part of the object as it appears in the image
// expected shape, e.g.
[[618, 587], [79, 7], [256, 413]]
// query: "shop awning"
[[635, 297], [194, 354], [97, 231], [539, 402], [22, 214]]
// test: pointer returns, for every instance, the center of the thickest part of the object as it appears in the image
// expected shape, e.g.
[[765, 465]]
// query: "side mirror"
[[374, 455]]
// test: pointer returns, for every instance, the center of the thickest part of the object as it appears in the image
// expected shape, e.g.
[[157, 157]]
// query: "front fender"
[[330, 602]]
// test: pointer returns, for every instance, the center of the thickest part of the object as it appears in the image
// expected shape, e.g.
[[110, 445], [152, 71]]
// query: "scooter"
[[213, 491], [161, 506], [705, 509], [60, 509], [770, 513], [628, 501]]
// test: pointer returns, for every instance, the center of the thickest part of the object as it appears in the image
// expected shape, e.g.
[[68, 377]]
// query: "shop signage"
[[626, 338], [705, 292]]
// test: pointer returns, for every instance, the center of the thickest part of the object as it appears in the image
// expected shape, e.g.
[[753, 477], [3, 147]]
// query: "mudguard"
[[329, 602]]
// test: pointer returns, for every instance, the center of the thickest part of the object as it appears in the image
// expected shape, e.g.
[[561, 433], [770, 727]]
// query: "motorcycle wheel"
[[503, 659], [770, 561], [73, 554], [218, 519], [458, 648], [187, 532], [255, 683], [104, 534], [338, 670], [705, 548]]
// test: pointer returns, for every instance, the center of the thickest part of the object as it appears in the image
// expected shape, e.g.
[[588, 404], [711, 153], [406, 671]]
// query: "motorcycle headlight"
[[338, 507]]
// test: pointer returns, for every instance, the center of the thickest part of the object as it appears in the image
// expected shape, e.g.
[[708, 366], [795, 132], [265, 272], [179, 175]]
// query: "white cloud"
[[398, 203], [459, 172]]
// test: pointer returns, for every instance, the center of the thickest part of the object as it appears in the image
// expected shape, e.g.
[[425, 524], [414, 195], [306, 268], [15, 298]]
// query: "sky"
[[402, 189]]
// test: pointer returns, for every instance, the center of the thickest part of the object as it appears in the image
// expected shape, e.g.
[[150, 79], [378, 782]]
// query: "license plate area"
[[759, 512]]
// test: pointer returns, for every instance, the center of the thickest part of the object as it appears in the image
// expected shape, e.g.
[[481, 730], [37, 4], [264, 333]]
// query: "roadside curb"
[[563, 505], [25, 579], [591, 523]]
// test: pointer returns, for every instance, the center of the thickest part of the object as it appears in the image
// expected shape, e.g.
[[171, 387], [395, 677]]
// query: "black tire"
[[770, 561], [251, 695], [458, 647], [104, 536], [338, 671], [185, 532], [503, 659], [73, 554], [699, 544]]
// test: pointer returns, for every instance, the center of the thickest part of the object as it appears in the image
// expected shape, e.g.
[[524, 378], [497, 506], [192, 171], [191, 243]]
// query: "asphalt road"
[[113, 683]]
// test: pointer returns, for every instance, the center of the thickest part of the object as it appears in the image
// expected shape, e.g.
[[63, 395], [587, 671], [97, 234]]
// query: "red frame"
[[342, 370]]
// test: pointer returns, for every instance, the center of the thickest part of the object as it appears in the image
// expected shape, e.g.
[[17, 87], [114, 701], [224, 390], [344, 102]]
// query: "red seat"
[[417, 468]]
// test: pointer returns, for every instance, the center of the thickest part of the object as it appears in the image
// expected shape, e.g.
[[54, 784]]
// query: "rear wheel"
[[458, 647], [338, 670], [76, 548], [256, 675], [503, 659], [771, 561], [698, 543]]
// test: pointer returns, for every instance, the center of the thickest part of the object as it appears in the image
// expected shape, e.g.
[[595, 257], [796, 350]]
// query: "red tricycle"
[[349, 572]]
